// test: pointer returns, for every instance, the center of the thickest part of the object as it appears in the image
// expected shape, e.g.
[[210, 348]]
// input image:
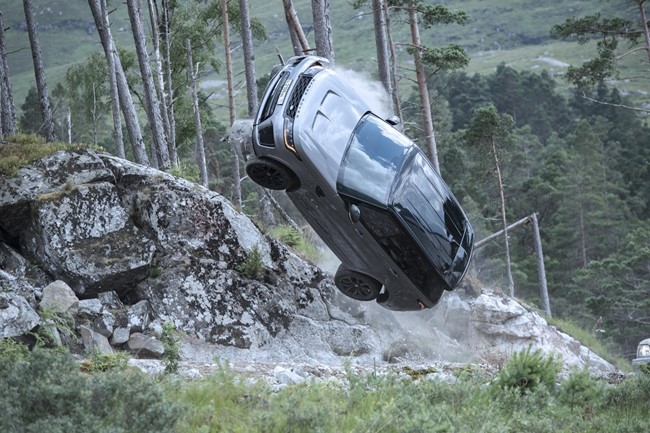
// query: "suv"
[[367, 190]]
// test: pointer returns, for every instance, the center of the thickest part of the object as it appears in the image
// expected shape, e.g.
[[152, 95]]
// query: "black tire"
[[356, 285], [271, 174]]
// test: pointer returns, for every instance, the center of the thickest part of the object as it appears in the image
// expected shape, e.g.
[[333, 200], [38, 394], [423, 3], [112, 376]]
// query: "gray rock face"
[[130, 248], [58, 297], [16, 316]]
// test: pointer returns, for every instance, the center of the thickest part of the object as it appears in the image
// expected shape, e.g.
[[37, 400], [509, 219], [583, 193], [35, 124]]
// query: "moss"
[[23, 149]]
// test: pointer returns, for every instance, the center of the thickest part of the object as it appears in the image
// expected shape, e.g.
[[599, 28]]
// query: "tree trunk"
[[8, 109], [236, 177], [541, 269], [504, 223], [118, 138], [39, 73], [425, 105], [168, 72], [200, 148], [644, 26], [68, 124], [394, 96], [295, 28], [160, 82], [381, 44], [323, 29], [249, 58], [100, 17], [151, 99]]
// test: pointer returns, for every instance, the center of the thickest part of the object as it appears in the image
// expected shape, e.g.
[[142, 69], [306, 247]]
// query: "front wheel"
[[356, 285], [271, 174]]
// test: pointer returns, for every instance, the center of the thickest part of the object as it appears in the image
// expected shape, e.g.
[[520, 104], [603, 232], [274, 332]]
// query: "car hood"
[[324, 122]]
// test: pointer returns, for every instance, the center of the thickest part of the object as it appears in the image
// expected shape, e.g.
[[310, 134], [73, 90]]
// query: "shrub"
[[579, 390], [293, 238], [527, 370], [172, 355], [252, 267], [47, 392]]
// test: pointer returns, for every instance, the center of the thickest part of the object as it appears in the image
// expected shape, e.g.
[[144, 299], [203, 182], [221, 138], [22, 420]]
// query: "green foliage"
[[579, 390], [528, 370], [47, 392], [253, 265], [296, 240], [172, 356], [22, 149], [11, 352], [588, 338], [98, 361]]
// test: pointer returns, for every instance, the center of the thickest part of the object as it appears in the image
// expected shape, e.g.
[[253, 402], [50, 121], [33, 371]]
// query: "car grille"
[[273, 100], [296, 96]]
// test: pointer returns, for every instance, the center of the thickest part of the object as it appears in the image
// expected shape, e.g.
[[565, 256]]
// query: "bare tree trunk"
[[644, 26], [200, 148], [541, 269], [168, 72], [100, 17], [95, 116], [249, 58], [381, 44], [323, 29], [394, 95], [583, 237], [39, 72], [229, 74], [118, 138], [425, 104], [295, 27], [160, 81], [68, 124], [8, 109], [151, 99], [502, 199], [236, 178]]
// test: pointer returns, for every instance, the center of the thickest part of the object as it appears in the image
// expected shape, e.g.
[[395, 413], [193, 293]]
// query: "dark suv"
[[366, 189]]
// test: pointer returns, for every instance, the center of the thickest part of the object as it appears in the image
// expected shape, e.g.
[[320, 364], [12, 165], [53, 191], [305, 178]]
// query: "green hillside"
[[514, 32]]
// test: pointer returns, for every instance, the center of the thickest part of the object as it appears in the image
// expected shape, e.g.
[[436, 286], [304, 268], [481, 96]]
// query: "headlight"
[[643, 350]]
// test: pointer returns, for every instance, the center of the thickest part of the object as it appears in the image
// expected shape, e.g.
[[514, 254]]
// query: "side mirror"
[[354, 213], [394, 120]]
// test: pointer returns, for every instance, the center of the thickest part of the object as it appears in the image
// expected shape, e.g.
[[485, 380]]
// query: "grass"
[[515, 34], [23, 149], [588, 339]]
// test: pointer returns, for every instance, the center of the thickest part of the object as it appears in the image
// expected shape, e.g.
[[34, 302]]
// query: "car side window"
[[372, 160]]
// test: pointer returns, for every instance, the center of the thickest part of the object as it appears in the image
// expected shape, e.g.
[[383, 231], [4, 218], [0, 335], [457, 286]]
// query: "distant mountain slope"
[[515, 32]]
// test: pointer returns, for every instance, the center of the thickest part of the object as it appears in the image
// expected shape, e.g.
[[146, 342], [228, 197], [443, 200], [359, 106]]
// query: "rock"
[[16, 315], [285, 376], [86, 238], [50, 174], [138, 316], [89, 308], [145, 346], [94, 341], [120, 336], [58, 297], [110, 300]]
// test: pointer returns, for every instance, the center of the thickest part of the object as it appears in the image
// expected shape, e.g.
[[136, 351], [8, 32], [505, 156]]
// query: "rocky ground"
[[124, 249]]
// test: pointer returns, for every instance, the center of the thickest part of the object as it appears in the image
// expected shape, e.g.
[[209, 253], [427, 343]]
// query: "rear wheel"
[[271, 174], [356, 285]]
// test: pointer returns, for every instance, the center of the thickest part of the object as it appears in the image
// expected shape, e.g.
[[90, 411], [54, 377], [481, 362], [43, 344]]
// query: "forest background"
[[578, 157]]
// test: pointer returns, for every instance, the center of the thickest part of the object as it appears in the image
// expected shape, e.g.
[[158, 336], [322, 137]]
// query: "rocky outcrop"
[[121, 250]]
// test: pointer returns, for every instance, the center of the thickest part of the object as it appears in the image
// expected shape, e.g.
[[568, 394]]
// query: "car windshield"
[[373, 159]]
